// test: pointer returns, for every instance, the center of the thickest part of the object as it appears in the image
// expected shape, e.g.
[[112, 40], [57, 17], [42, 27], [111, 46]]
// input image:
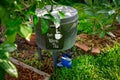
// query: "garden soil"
[[25, 74]]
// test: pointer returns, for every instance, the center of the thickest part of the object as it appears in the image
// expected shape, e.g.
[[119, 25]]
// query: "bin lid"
[[70, 13]]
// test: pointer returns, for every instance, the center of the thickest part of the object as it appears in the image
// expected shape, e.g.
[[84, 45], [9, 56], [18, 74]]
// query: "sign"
[[54, 38]]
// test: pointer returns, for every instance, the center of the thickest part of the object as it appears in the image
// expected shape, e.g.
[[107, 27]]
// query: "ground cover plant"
[[99, 17], [87, 67]]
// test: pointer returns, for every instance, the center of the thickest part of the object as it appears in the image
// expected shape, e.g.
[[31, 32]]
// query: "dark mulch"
[[25, 74], [26, 51], [94, 41]]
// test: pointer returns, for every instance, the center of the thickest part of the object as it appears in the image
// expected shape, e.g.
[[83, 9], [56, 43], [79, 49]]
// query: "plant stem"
[[94, 25], [114, 19]]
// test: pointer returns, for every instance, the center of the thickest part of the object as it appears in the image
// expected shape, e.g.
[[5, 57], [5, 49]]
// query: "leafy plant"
[[15, 16], [98, 17], [87, 67], [5, 63], [113, 10], [83, 25]]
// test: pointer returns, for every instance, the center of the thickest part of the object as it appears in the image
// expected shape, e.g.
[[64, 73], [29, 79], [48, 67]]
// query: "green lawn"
[[105, 66]]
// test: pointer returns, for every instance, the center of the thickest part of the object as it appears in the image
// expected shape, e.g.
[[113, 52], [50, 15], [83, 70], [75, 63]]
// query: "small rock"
[[82, 46], [95, 50]]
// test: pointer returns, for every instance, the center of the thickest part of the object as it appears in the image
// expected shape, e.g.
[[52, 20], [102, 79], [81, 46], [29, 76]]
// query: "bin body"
[[68, 27]]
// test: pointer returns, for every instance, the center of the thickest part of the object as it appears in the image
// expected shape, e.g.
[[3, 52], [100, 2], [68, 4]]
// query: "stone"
[[82, 46], [95, 51]]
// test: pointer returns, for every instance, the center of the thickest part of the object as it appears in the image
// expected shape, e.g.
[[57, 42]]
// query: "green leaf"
[[9, 67], [35, 20], [33, 7], [40, 4], [57, 21], [102, 34], [89, 13], [116, 2], [102, 11], [2, 74], [9, 47], [14, 23], [118, 18], [4, 55], [44, 26], [61, 14], [49, 16], [11, 38], [25, 31]]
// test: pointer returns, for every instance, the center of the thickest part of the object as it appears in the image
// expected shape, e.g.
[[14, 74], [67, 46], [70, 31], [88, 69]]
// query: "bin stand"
[[55, 55], [40, 53], [55, 58]]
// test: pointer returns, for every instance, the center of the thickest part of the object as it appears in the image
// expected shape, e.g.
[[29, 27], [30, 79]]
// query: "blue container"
[[67, 62]]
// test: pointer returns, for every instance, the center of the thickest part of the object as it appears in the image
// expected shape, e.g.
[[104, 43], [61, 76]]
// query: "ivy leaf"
[[49, 16], [9, 67], [55, 20], [25, 32], [14, 23], [116, 2], [5, 55], [61, 14], [118, 19], [9, 47], [44, 26], [11, 38]]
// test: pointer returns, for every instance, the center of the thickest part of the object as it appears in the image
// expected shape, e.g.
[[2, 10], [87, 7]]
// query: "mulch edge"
[[15, 61]]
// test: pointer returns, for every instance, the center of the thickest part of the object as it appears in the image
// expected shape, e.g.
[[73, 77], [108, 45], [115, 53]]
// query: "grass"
[[105, 66]]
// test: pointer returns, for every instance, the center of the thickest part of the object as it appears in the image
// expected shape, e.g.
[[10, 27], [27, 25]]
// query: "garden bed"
[[26, 72], [90, 43]]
